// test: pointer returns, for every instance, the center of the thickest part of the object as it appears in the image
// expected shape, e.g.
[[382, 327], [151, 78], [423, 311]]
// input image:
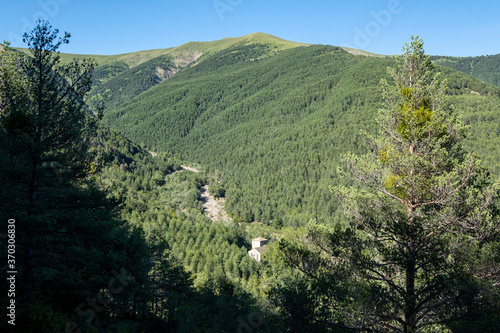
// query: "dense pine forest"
[[277, 124], [376, 188]]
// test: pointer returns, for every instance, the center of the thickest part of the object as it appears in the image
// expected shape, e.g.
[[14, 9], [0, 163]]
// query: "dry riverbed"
[[213, 208]]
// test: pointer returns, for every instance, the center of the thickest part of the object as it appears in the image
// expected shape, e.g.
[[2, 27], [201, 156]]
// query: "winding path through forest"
[[184, 167]]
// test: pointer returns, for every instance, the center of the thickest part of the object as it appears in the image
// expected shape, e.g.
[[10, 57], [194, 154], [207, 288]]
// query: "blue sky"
[[456, 28]]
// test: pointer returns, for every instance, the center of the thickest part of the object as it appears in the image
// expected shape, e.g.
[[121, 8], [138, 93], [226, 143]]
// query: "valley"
[[376, 190]]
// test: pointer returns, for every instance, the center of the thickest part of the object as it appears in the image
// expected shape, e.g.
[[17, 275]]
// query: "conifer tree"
[[422, 206]]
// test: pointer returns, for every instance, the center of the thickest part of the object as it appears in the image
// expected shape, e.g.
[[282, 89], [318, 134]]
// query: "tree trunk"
[[410, 322], [33, 182]]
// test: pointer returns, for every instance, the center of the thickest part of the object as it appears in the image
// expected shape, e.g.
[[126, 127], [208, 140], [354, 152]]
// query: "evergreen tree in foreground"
[[68, 237], [421, 249]]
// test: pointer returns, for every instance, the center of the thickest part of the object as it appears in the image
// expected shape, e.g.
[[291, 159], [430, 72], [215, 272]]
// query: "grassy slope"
[[276, 127], [363, 53]]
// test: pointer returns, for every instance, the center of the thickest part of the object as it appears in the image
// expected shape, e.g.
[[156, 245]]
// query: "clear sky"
[[455, 28]]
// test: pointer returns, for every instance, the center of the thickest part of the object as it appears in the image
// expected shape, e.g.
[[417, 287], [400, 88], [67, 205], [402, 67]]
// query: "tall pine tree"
[[421, 219], [69, 239]]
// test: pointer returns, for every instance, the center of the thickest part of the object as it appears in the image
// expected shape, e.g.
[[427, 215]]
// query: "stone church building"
[[258, 247]]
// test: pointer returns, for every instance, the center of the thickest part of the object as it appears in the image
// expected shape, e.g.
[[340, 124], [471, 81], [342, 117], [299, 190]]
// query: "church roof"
[[259, 249]]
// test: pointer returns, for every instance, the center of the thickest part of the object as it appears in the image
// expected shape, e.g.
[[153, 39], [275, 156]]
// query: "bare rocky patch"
[[212, 207], [180, 62]]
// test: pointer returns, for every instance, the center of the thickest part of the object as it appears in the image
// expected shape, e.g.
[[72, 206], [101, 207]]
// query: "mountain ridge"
[[221, 43], [138, 57], [483, 67]]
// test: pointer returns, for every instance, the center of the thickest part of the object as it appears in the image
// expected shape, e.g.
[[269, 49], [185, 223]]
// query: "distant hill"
[[119, 78], [485, 68]]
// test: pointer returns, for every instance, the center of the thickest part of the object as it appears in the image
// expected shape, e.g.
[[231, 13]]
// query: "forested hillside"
[[274, 127], [485, 68], [114, 84]]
